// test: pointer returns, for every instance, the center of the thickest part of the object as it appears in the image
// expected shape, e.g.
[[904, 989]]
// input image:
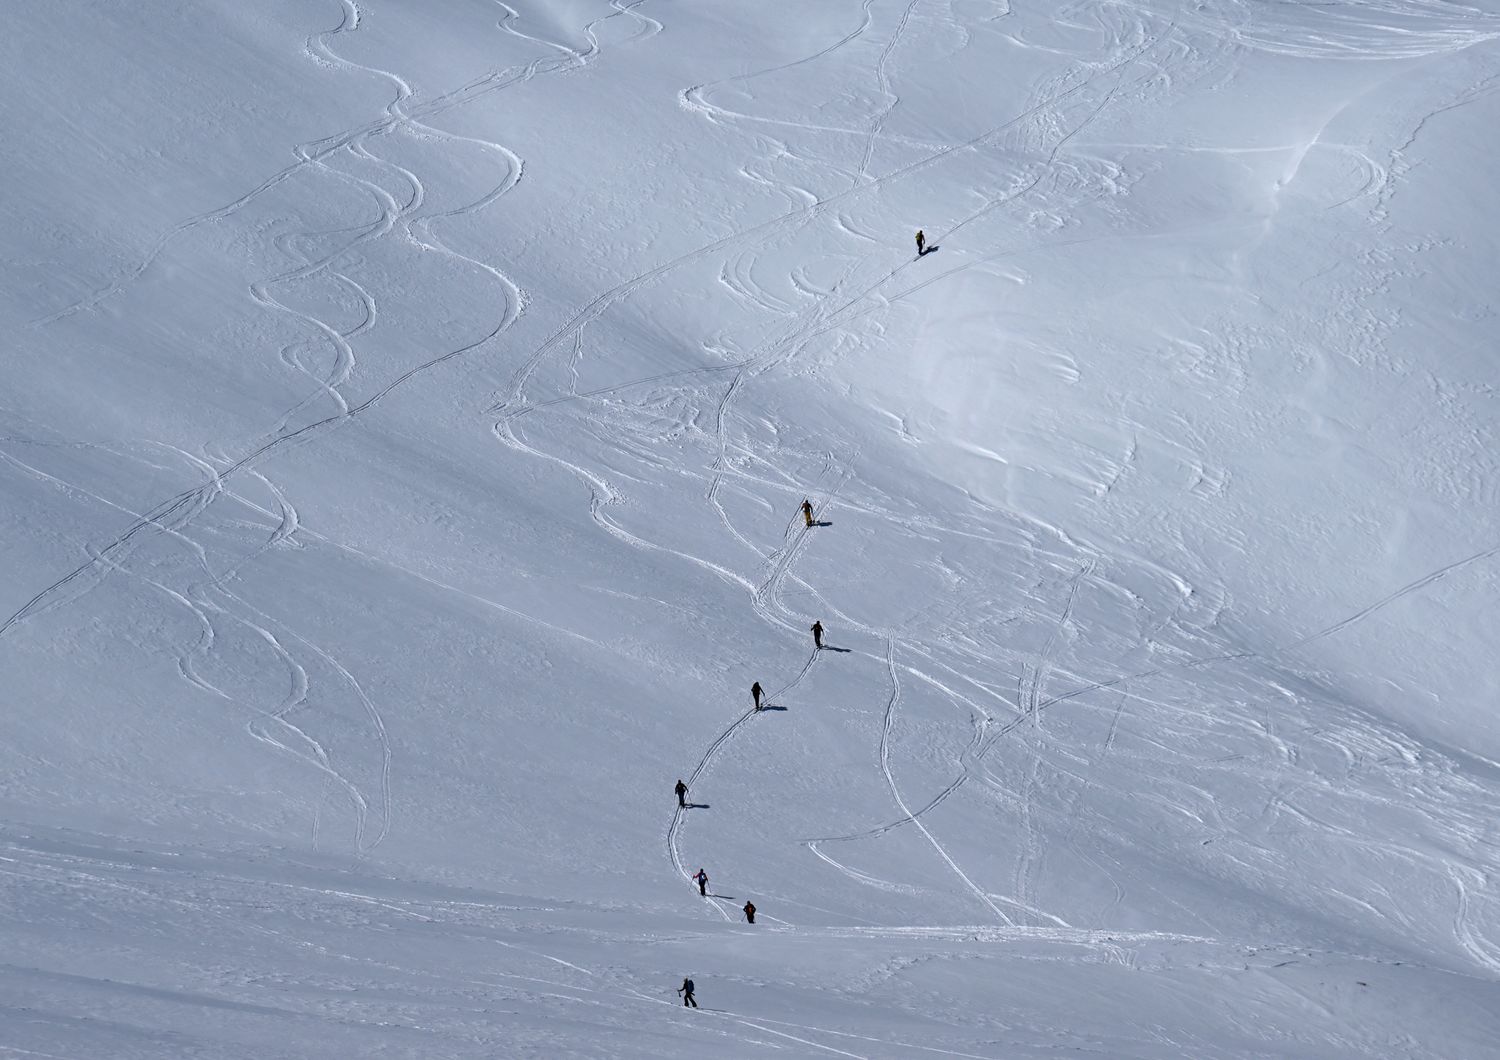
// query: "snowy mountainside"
[[405, 419]]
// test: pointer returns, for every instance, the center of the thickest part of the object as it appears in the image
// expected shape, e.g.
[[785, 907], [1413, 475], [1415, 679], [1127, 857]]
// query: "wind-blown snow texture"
[[406, 408]]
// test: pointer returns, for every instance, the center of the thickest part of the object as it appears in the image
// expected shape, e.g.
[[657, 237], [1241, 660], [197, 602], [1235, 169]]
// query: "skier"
[[702, 878], [750, 912], [807, 511], [686, 990], [921, 243], [755, 694], [681, 790], [817, 632]]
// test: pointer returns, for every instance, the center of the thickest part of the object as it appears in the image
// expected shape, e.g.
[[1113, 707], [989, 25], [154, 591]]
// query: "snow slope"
[[402, 426]]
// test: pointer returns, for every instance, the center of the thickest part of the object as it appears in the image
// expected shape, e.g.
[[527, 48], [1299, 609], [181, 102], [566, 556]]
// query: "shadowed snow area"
[[405, 413]]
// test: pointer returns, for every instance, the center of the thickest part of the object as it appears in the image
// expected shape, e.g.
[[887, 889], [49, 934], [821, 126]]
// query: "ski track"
[[315, 155], [313, 151], [173, 516], [883, 81], [193, 599], [1032, 853], [1072, 815], [885, 768], [695, 98]]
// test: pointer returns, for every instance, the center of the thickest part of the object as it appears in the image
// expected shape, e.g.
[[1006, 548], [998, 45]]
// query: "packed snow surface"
[[405, 413]]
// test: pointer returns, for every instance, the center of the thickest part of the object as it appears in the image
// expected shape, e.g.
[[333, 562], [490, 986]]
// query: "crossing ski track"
[[899, 799], [1124, 681]]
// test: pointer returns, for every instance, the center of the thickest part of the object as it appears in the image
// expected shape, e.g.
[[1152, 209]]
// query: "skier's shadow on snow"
[[695, 806], [841, 651], [820, 522], [929, 250], [771, 706]]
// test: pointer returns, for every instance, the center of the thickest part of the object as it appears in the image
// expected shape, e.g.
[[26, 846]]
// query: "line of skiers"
[[756, 694]]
